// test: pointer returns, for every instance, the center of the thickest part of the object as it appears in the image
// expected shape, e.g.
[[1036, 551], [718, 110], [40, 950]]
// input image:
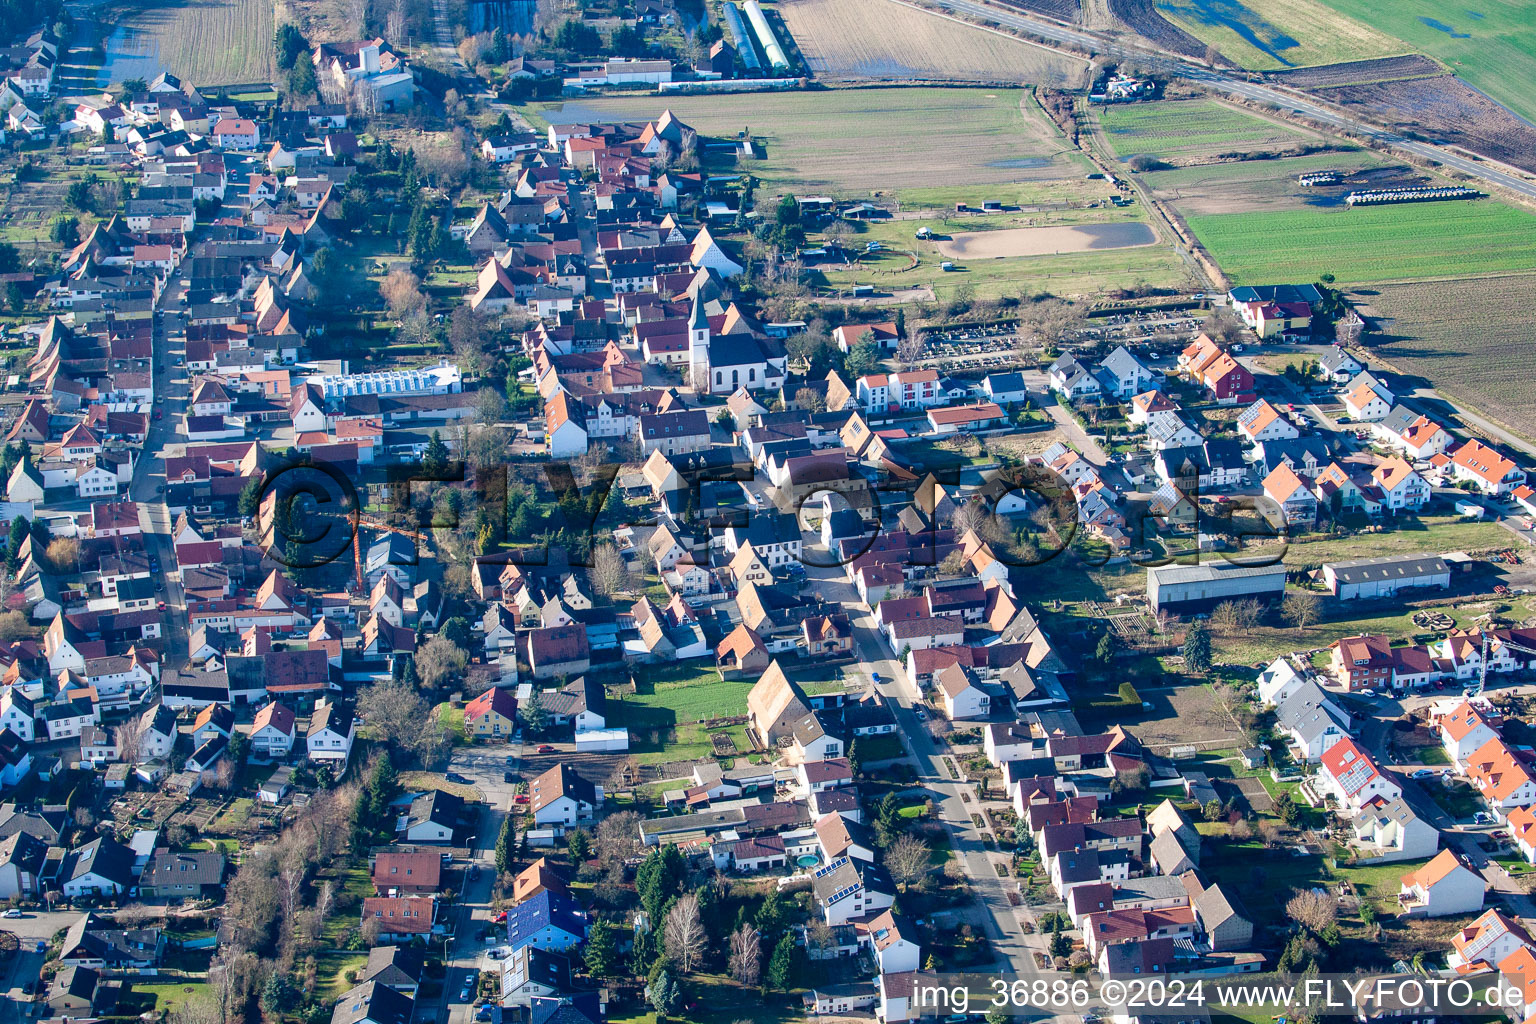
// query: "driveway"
[[1002, 923]]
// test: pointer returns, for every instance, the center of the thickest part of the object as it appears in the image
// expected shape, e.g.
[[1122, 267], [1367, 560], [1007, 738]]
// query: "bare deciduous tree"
[[1301, 608], [907, 859], [1237, 616], [683, 934], [129, 738], [746, 960], [1269, 832], [610, 573], [616, 842], [437, 660], [811, 400], [1349, 328], [909, 350], [401, 290], [1312, 910]]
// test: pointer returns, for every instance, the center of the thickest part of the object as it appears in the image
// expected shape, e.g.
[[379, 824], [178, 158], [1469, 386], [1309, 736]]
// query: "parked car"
[[467, 991], [508, 778], [456, 777], [545, 748], [13, 912], [1423, 773]]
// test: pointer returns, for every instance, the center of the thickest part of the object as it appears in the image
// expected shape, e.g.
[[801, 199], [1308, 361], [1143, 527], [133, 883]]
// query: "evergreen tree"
[[657, 880], [250, 498], [644, 952], [781, 967], [770, 913], [504, 844], [602, 955], [664, 995], [1197, 648], [434, 459], [456, 631], [855, 762], [579, 844]]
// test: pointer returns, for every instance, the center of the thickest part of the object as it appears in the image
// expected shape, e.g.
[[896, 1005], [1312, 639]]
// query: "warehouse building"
[[1181, 588], [1383, 577]]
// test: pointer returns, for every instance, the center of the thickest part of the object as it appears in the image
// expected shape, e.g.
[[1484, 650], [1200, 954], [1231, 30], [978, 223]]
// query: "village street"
[[1003, 920]]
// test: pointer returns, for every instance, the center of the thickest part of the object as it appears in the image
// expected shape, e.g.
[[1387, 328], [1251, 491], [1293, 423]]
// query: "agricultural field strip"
[[1477, 350], [1376, 244], [853, 141], [1174, 128], [839, 38], [1277, 34]]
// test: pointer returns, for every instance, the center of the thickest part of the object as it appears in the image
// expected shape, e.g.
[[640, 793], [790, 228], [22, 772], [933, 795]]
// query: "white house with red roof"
[[1365, 404], [1485, 468], [1521, 823], [273, 731], [909, 389], [1486, 942], [1351, 776], [1261, 421], [1517, 977], [240, 133], [1442, 887], [1401, 485], [1501, 776], [1463, 730]]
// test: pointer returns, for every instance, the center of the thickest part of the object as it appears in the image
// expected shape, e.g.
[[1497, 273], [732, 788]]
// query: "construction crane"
[[357, 549], [1482, 668]]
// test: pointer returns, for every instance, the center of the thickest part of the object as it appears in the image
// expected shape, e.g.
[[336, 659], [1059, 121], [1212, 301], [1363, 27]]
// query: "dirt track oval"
[[1049, 241]]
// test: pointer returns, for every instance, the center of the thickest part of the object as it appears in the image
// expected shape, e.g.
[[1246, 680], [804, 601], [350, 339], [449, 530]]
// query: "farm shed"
[[1180, 588], [1383, 577]]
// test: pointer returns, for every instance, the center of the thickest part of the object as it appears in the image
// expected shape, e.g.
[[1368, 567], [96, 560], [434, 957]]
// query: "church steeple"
[[698, 343]]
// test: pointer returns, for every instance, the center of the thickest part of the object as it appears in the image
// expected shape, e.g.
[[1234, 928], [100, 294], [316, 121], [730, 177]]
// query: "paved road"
[[1001, 923], [1235, 85], [171, 383], [27, 964], [483, 766]]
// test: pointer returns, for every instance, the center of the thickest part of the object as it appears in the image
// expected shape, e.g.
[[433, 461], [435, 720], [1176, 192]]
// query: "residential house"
[[1444, 886]]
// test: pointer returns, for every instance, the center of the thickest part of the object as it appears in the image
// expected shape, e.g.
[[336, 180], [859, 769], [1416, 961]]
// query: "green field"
[[1490, 45], [1272, 34], [1191, 129], [854, 141], [1392, 243]]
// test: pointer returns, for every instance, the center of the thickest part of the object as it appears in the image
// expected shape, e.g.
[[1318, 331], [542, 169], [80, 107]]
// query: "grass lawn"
[[1433, 755], [663, 717], [1457, 801], [1384, 243], [170, 995], [719, 1000], [1379, 883], [423, 781], [1235, 864], [355, 882], [880, 748], [331, 972], [1188, 129]]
